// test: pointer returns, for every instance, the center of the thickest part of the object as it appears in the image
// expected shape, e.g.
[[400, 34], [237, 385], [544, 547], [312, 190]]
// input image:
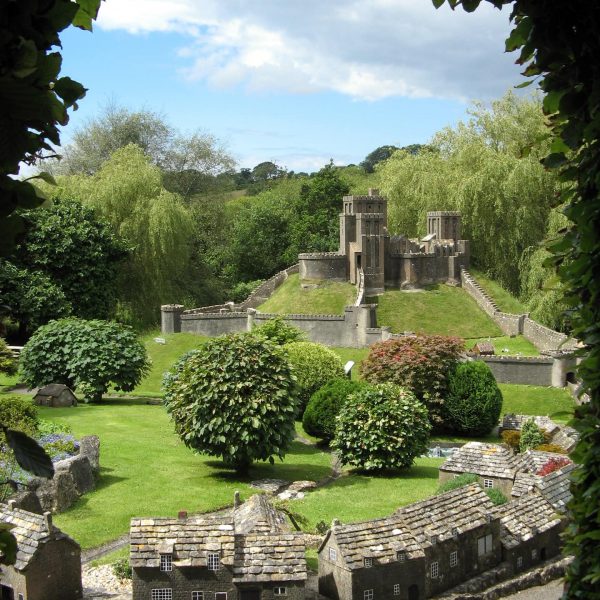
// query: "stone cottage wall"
[[526, 370]]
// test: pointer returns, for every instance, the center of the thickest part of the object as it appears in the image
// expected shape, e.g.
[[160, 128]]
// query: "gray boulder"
[[89, 446], [80, 469]]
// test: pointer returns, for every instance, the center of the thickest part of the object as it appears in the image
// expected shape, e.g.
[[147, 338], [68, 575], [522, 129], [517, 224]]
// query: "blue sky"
[[296, 82]]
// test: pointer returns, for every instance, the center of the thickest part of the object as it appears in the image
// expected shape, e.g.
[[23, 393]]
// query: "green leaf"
[[551, 101], [44, 176], [29, 454], [518, 36], [69, 90], [524, 84], [438, 3], [554, 160]]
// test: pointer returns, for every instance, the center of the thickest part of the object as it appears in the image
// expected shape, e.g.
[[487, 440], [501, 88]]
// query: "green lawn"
[[146, 470], [328, 298], [556, 403], [438, 309], [515, 345], [358, 497], [505, 301]]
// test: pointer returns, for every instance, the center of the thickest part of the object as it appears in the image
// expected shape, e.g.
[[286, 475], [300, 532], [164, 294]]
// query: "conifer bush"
[[86, 355], [381, 427], [313, 365], [8, 363], [419, 363], [531, 436], [235, 398], [474, 400], [324, 406]]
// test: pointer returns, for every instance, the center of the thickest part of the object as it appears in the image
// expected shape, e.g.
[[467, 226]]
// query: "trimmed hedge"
[[324, 406], [474, 400], [313, 365]]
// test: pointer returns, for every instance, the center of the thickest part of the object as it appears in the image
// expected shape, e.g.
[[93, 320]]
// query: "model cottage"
[[48, 565], [247, 553]]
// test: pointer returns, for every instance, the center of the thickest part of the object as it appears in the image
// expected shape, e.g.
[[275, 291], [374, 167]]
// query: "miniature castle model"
[[48, 564], [367, 250], [246, 553]]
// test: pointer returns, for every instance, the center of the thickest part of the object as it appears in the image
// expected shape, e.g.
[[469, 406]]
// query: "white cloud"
[[367, 49]]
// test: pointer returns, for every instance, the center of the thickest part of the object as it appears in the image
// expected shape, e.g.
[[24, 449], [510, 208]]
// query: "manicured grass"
[[112, 557], [439, 309], [505, 301], [556, 403], [146, 470], [328, 298], [355, 354], [517, 345], [8, 381], [358, 497]]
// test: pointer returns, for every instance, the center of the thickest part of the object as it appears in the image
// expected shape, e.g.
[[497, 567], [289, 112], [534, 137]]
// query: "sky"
[[296, 82]]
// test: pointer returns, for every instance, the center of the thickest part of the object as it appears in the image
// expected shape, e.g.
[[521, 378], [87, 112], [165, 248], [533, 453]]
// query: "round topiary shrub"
[[381, 427], [85, 355], [279, 331], [313, 365], [234, 397], [419, 363], [324, 406], [474, 400], [19, 413]]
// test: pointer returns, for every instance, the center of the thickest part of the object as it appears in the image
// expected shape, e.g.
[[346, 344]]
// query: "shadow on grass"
[[124, 401], [105, 479]]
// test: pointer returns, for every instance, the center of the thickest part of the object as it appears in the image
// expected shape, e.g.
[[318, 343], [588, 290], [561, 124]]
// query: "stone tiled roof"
[[249, 540], [564, 436], [464, 509], [31, 532], [379, 539], [556, 486], [525, 517], [524, 483], [532, 461], [277, 557], [482, 459], [411, 528]]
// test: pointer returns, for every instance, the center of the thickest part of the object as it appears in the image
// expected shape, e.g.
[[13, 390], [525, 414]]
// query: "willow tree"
[[127, 191], [488, 168]]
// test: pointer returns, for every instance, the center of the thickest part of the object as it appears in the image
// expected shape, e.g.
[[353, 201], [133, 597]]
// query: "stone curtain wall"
[[527, 370], [543, 338], [264, 291]]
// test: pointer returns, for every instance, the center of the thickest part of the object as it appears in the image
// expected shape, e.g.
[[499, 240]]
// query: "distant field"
[[327, 298], [514, 345], [505, 301], [556, 403], [439, 309]]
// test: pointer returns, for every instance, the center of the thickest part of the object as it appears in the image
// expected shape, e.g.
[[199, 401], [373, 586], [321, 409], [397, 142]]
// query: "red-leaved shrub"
[[553, 464], [420, 363]]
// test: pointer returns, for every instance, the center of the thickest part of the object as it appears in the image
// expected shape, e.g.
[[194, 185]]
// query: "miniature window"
[[220, 595], [435, 570], [519, 562], [162, 594], [396, 589], [332, 554], [166, 562], [368, 595], [433, 539], [368, 562], [534, 554], [197, 595], [484, 545], [280, 591], [213, 561], [488, 483], [401, 556], [453, 558], [454, 532]]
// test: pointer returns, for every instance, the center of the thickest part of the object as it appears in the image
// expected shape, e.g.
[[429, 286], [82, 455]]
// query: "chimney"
[[182, 515], [48, 521], [373, 192], [12, 504], [236, 499], [335, 523]]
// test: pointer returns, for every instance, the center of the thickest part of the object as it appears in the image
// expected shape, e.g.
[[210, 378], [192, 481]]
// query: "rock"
[[81, 470], [27, 500], [89, 446], [59, 493], [270, 485], [301, 486]]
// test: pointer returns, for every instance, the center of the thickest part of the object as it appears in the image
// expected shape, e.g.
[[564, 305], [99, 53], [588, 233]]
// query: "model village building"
[[246, 553], [367, 250], [431, 546], [48, 564]]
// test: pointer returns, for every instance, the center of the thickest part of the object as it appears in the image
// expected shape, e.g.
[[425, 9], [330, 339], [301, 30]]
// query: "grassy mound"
[[438, 309], [326, 298], [505, 301]]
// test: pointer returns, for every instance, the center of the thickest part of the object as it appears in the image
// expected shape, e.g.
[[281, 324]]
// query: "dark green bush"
[[381, 427], [457, 482], [313, 365], [85, 355], [324, 406], [474, 400], [279, 331], [122, 569], [19, 413], [234, 397], [8, 363]]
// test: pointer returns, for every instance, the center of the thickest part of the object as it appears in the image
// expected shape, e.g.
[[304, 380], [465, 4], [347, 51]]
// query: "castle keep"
[[368, 251]]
